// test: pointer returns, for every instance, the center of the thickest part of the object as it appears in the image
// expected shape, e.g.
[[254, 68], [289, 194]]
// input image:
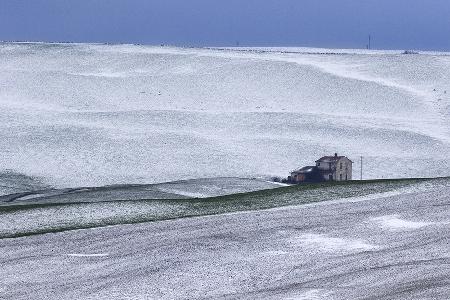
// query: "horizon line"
[[211, 47]]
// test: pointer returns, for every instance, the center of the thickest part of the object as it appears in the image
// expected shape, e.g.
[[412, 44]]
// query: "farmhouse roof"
[[333, 158], [329, 158]]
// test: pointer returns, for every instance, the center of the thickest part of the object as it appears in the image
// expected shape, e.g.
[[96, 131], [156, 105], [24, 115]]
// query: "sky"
[[393, 24]]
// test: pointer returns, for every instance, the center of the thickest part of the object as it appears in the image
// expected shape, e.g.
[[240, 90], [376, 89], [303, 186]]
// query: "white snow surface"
[[322, 242], [329, 251], [395, 222], [87, 255], [87, 115]]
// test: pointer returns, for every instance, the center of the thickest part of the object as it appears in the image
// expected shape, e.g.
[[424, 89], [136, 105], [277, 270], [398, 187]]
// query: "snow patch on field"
[[102, 74], [394, 222], [88, 255], [326, 243], [183, 193], [315, 294], [277, 183]]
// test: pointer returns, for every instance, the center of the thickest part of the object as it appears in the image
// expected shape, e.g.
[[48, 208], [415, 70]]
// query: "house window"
[[318, 164], [340, 177], [341, 166]]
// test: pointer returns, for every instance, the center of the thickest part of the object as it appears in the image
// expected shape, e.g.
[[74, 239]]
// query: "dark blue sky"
[[394, 24]]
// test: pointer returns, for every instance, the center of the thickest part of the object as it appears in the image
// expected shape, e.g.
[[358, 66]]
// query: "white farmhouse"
[[335, 168]]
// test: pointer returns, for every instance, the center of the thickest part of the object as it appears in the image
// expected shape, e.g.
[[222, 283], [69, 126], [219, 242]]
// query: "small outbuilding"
[[306, 174]]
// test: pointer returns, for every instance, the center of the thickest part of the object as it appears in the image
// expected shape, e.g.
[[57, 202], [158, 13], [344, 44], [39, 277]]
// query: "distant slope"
[[118, 114], [12, 182], [183, 189], [37, 218]]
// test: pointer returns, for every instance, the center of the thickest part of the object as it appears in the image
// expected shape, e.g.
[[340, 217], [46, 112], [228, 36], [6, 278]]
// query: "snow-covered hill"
[[88, 115]]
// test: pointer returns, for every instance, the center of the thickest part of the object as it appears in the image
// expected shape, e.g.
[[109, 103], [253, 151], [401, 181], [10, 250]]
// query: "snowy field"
[[386, 246], [137, 172], [51, 211], [90, 115]]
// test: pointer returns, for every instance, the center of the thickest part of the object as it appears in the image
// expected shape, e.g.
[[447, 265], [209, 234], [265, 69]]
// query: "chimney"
[[335, 155]]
